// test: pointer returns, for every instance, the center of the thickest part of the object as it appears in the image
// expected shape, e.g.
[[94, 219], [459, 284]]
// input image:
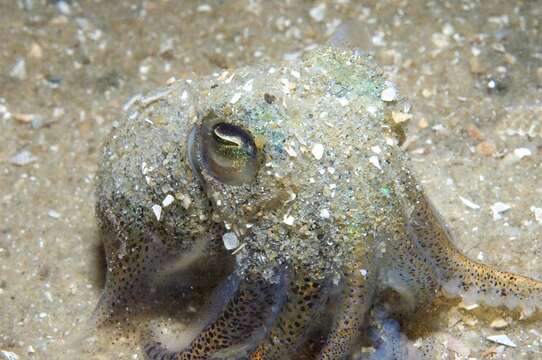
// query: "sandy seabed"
[[470, 73]]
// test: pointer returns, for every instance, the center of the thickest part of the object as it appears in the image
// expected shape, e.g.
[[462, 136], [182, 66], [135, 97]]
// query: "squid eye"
[[225, 151], [233, 139]]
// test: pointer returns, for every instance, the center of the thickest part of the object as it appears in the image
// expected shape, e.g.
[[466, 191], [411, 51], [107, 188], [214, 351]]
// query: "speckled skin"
[[339, 226]]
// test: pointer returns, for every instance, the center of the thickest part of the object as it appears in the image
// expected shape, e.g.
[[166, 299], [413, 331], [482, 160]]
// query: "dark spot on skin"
[[269, 98]]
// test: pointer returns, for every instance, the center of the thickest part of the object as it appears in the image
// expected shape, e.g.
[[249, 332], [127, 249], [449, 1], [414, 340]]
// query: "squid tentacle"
[[241, 325], [460, 276], [358, 289], [304, 305]]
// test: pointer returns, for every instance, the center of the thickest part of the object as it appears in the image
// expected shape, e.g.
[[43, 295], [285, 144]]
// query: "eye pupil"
[[234, 141], [226, 136]]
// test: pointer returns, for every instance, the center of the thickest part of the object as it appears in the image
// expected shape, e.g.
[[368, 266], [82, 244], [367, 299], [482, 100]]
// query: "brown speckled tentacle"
[[303, 307], [239, 328], [359, 285], [407, 270], [459, 275]]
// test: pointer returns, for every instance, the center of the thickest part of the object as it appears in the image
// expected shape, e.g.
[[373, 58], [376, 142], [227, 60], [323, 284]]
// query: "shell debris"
[[235, 98], [469, 203], [343, 101], [157, 210], [8, 355], [389, 94], [537, 213], [324, 214], [522, 152], [168, 200], [375, 162], [22, 158], [290, 151], [501, 339], [499, 323], [248, 85], [230, 240], [288, 220], [204, 8], [53, 214], [498, 208], [317, 151]]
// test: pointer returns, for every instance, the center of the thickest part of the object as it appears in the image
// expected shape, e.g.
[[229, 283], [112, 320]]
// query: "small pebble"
[[389, 94], [468, 307], [63, 7], [499, 324], [440, 40], [439, 128], [288, 220], [448, 29], [318, 13], [35, 51], [423, 124], [470, 320], [53, 214], [295, 74], [230, 241], [475, 133], [485, 148], [510, 59], [59, 20], [23, 118], [501, 339], [186, 201], [18, 71], [522, 152], [204, 8], [400, 117], [324, 214], [537, 214], [23, 158], [343, 101]]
